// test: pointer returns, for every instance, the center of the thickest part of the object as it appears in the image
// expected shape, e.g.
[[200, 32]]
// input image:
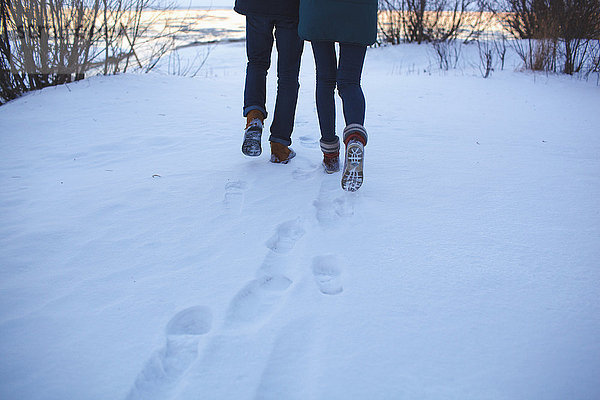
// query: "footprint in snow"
[[191, 321], [305, 169], [304, 173], [326, 213], [330, 206], [286, 236], [234, 195], [256, 301], [275, 264], [344, 205], [308, 141], [166, 366], [290, 364], [327, 274]]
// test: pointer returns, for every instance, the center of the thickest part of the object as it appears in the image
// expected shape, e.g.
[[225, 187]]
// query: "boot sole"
[[251, 148], [251, 145], [352, 177]]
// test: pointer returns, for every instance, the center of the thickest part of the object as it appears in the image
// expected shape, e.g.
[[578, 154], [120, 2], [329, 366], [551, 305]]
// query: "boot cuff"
[[355, 129], [330, 147]]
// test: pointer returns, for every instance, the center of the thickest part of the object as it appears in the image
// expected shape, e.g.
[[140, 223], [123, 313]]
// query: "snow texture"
[[142, 256]]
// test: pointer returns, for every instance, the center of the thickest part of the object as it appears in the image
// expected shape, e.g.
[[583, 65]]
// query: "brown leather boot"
[[280, 153], [252, 115]]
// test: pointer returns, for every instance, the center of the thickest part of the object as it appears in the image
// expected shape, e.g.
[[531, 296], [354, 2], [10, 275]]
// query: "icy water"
[[208, 24], [197, 26]]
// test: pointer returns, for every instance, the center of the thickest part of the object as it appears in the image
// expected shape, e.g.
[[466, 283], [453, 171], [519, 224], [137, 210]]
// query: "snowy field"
[[142, 256]]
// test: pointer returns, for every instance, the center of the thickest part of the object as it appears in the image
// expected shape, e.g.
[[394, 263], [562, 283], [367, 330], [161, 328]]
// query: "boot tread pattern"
[[352, 178], [251, 146]]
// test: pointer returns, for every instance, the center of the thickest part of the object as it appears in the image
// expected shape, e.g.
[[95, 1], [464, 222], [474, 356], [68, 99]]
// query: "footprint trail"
[[262, 296], [256, 301], [166, 366]]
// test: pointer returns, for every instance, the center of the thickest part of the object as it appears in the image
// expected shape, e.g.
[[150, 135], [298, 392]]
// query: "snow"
[[142, 256]]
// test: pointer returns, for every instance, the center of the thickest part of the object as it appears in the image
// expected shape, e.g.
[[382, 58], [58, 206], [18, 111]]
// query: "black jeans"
[[346, 76], [259, 44]]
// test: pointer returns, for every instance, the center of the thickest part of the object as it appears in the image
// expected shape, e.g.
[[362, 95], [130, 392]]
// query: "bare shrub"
[[421, 21], [537, 55], [44, 43], [186, 67], [501, 46], [133, 34], [593, 64], [390, 21], [50, 42], [486, 57], [595, 57], [447, 53], [559, 33]]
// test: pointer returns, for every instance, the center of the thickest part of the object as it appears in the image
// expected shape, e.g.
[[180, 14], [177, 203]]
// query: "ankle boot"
[[331, 162], [355, 139], [331, 155], [252, 134], [280, 153]]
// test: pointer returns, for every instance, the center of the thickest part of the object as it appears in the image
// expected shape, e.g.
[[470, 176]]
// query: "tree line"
[[548, 35]]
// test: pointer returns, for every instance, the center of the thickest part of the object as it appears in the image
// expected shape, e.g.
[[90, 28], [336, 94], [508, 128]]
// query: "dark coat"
[[268, 8], [345, 21]]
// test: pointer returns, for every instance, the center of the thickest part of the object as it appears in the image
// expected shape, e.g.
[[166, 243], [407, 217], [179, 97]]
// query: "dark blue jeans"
[[346, 75], [259, 44]]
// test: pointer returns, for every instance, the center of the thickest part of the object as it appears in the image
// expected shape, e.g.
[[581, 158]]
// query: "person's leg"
[[355, 136], [289, 52], [352, 57], [326, 66], [259, 42]]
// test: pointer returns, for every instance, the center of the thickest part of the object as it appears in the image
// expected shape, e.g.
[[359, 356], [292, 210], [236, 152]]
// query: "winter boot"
[[331, 163], [331, 156], [254, 126], [281, 154], [355, 138]]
